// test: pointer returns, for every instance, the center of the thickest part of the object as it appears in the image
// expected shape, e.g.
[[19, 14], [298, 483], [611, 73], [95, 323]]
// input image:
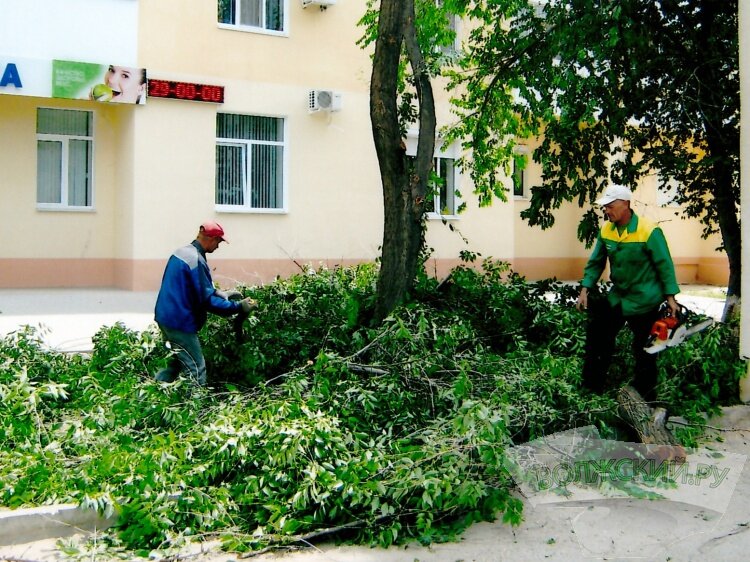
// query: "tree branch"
[[276, 542], [365, 369]]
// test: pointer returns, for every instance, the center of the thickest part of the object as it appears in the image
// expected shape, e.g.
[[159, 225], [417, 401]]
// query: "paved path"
[[68, 318]]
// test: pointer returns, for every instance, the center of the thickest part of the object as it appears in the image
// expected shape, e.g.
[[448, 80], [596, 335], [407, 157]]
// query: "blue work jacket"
[[187, 292]]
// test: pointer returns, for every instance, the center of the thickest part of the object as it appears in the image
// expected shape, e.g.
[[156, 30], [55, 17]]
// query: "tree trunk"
[[651, 429], [729, 224], [404, 182], [723, 142]]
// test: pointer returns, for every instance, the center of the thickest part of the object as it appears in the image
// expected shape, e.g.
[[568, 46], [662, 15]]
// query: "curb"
[[20, 526]]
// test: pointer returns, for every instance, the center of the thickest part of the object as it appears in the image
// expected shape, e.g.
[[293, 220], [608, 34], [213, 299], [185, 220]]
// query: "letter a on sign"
[[11, 76]]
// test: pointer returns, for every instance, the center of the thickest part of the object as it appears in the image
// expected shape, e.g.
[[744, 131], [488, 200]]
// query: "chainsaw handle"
[[680, 310]]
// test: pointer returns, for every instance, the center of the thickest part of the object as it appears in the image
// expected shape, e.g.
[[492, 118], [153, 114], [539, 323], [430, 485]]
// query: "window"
[[519, 177], [250, 163], [253, 14], [452, 49], [64, 158], [518, 180], [444, 196]]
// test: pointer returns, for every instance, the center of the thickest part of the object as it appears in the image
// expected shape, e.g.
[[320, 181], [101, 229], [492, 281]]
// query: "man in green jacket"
[[642, 276]]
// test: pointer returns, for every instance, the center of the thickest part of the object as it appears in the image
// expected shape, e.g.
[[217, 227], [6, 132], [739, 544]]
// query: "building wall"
[[54, 248], [557, 252], [335, 211], [155, 163], [79, 30]]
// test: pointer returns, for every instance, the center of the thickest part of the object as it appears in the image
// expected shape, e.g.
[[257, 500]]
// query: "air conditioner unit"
[[323, 100], [322, 3]]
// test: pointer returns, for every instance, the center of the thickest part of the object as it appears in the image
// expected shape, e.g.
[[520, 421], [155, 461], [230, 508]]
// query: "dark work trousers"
[[604, 323], [188, 357]]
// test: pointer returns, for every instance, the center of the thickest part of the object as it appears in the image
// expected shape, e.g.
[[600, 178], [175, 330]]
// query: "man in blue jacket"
[[186, 296]]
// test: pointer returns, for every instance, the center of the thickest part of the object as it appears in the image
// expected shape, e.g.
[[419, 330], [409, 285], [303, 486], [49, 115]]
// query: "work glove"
[[229, 295], [247, 305]]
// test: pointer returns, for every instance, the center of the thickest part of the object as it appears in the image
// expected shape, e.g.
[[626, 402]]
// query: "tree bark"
[[404, 181], [723, 142], [650, 429], [729, 227]]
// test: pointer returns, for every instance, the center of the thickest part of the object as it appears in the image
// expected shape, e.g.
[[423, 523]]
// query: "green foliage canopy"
[[617, 89]]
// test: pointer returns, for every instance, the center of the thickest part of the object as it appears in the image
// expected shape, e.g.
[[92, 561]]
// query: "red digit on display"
[[158, 88], [212, 93], [185, 91]]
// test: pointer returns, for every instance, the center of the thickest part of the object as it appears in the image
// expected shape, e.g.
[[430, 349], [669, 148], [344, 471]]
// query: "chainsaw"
[[670, 331]]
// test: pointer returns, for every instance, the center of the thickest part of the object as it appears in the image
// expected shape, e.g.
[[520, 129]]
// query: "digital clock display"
[[185, 91]]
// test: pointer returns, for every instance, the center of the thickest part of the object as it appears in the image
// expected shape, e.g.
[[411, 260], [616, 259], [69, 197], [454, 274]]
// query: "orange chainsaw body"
[[660, 329]]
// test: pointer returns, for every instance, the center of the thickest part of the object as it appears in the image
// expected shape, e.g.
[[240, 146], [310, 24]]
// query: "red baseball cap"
[[213, 229]]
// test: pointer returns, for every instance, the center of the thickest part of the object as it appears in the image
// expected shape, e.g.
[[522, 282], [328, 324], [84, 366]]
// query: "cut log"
[[649, 424]]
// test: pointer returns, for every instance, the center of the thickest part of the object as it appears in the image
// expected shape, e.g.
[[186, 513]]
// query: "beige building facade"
[[257, 116]]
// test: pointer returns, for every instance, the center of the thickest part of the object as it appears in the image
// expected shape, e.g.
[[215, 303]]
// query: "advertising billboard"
[[98, 82]]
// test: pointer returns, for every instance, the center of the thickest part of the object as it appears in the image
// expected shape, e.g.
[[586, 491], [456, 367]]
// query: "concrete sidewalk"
[[68, 318]]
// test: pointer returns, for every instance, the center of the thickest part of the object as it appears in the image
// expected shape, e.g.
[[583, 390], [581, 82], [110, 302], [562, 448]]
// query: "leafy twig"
[[311, 536], [712, 427]]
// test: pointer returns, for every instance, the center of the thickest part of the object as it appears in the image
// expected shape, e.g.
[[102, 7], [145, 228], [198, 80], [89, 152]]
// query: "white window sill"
[[438, 216], [249, 210], [63, 208], [251, 29]]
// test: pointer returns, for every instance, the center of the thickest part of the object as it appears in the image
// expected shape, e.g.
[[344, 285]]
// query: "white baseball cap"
[[614, 192]]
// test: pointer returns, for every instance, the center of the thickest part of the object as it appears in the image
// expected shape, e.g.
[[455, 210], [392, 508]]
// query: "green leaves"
[[612, 92], [392, 432], [700, 374]]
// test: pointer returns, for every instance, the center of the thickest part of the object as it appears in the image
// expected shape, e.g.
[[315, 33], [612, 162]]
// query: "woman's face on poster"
[[125, 83]]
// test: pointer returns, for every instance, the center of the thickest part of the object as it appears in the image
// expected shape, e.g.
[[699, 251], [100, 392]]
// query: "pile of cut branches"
[[317, 423]]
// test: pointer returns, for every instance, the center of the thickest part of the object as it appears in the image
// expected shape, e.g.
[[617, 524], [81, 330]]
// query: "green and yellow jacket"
[[640, 267]]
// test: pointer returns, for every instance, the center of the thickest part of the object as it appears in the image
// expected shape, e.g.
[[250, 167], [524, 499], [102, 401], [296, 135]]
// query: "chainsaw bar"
[[670, 331]]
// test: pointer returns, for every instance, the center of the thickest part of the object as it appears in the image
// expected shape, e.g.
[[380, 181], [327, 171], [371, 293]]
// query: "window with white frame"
[[65, 144], [253, 15], [250, 163], [453, 21], [444, 190], [519, 174], [443, 197]]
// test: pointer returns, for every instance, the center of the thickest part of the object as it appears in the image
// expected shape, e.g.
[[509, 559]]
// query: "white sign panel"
[[25, 77]]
